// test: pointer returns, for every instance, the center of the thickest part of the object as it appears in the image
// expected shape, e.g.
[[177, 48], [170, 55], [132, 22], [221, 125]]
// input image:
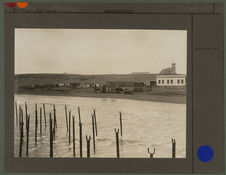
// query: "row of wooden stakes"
[[53, 129], [68, 117], [151, 154]]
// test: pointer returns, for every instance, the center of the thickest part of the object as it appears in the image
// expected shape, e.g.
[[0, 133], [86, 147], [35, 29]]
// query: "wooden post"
[[19, 117], [21, 122], [173, 148], [151, 154], [36, 123], [93, 127], [41, 122], [73, 135], [66, 117], [79, 115], [95, 120], [120, 114], [26, 115], [16, 113], [44, 113], [69, 138], [117, 142], [22, 116], [25, 110], [88, 146], [54, 131], [55, 120], [50, 136], [80, 138], [21, 139], [80, 131], [19, 114], [26, 120], [27, 128]]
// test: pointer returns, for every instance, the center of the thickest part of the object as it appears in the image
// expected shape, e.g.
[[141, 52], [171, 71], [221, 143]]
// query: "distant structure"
[[168, 77], [118, 86], [169, 70], [137, 73], [171, 80]]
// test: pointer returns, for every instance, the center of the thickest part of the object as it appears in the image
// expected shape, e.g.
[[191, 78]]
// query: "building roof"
[[172, 76]]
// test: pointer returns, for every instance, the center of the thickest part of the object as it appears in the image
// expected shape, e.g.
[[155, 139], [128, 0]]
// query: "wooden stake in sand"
[[93, 127], [44, 112], [73, 118], [80, 138], [27, 128], [16, 113], [40, 122], [120, 118], [66, 117], [69, 135], [117, 142], [173, 148], [36, 123], [51, 136], [151, 154], [21, 138], [95, 120], [88, 146]]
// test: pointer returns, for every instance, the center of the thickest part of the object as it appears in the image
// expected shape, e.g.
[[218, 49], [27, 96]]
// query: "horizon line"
[[93, 74]]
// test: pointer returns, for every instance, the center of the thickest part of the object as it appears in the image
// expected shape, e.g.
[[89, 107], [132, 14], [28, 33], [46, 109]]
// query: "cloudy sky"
[[99, 51]]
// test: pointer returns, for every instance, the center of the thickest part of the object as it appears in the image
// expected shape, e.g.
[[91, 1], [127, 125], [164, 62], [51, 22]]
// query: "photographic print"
[[100, 93]]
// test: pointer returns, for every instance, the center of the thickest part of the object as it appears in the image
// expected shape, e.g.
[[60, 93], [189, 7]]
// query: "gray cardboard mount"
[[205, 93]]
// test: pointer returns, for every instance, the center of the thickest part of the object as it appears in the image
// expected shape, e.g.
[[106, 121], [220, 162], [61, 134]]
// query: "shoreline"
[[179, 99]]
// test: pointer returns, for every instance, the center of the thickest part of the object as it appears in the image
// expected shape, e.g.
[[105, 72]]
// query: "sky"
[[99, 51]]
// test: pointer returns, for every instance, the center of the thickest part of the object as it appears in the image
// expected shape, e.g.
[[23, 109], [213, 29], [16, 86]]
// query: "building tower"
[[173, 68]]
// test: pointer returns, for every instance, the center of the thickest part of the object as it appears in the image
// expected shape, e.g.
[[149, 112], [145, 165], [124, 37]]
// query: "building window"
[[178, 81], [162, 81], [159, 81], [171, 81], [182, 81], [167, 81]]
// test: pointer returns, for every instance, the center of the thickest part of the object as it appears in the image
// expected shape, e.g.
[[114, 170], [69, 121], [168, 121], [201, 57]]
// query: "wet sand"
[[167, 98]]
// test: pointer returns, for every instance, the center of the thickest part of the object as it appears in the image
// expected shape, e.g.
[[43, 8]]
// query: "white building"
[[171, 80]]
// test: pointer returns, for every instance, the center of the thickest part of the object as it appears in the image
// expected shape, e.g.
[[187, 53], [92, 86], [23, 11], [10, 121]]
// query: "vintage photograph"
[[100, 93]]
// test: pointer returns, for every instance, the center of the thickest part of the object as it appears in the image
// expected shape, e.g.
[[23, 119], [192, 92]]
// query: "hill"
[[42, 79]]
